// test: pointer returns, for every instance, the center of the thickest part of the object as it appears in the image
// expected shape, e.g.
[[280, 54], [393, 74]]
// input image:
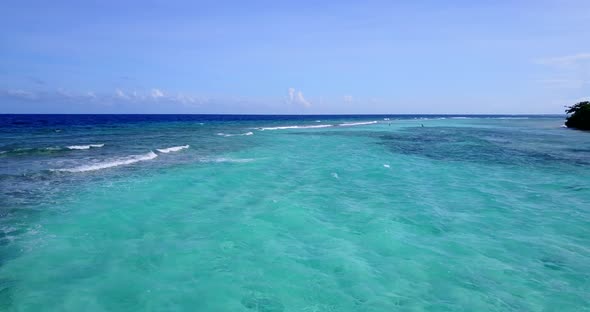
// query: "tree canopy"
[[578, 116]]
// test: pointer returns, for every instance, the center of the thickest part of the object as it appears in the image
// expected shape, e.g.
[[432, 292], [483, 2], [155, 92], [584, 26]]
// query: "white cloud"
[[159, 95], [302, 100], [20, 94], [121, 94], [156, 93], [129, 101], [564, 61], [296, 97], [347, 99], [189, 99]]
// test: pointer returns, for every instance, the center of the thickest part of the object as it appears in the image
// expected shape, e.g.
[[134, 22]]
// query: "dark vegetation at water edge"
[[578, 116]]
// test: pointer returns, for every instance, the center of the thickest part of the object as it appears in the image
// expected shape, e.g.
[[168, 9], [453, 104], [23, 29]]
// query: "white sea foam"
[[294, 127], [430, 118], [386, 166], [238, 134], [84, 147], [385, 118], [172, 149], [357, 123], [335, 175], [112, 163]]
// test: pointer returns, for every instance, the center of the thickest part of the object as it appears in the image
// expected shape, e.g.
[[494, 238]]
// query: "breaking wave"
[[238, 134], [84, 147], [109, 164], [357, 123], [172, 149], [294, 127]]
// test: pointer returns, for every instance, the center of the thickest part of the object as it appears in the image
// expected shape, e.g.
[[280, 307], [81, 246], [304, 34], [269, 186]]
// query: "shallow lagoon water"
[[475, 214]]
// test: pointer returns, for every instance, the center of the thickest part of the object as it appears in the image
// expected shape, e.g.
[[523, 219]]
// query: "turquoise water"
[[270, 214]]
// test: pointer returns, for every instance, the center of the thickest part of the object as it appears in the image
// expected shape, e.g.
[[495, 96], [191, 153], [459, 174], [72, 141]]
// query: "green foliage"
[[578, 116]]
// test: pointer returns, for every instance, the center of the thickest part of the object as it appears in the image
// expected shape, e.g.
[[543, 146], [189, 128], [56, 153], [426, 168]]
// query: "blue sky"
[[293, 56]]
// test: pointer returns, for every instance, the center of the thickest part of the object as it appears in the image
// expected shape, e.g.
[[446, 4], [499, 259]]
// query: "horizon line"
[[230, 114]]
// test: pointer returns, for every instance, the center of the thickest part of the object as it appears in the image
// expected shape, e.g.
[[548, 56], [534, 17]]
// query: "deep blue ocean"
[[293, 213]]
